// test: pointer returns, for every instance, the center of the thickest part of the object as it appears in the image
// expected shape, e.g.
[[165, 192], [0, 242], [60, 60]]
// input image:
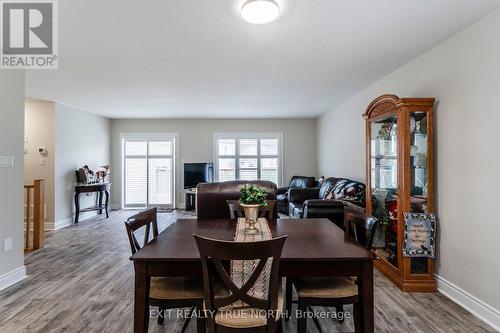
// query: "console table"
[[100, 188]]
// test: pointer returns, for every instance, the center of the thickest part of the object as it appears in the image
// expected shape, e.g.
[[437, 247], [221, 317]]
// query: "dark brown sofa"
[[295, 182], [211, 197], [315, 202]]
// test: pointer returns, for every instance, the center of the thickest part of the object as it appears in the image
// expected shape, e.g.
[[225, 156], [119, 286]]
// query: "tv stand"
[[190, 199]]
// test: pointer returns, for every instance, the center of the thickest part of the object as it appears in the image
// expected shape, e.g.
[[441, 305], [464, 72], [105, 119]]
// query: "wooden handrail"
[[37, 190]]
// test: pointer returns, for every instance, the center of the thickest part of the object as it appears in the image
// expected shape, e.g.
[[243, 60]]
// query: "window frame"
[[237, 136]]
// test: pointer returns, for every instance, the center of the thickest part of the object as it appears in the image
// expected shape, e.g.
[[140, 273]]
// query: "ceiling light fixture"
[[260, 11]]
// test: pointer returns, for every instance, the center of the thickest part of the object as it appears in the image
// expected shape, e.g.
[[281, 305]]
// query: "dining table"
[[314, 247]]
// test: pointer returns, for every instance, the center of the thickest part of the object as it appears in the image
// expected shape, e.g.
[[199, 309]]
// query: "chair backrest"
[[236, 209], [218, 252], [211, 197], [147, 219], [360, 226]]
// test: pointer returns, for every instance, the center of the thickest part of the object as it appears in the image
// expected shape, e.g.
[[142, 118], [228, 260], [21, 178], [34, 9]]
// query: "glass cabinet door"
[[419, 168], [384, 184], [418, 162]]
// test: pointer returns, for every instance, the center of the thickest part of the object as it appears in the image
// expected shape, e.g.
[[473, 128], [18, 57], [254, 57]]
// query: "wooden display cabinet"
[[400, 179]]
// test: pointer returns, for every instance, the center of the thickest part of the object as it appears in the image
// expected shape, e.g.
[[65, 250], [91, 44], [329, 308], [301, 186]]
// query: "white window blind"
[[148, 177], [248, 156]]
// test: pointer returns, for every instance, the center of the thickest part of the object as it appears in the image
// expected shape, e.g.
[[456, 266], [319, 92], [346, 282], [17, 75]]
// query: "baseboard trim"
[[483, 311], [114, 206], [63, 223], [10, 278]]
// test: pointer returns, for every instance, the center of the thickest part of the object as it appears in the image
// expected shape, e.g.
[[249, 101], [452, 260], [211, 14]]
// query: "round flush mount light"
[[260, 11]]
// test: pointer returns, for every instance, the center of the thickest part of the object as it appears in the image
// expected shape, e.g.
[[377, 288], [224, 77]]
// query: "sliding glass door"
[[148, 171]]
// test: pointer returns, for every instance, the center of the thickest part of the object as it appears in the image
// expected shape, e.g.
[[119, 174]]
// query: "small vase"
[[251, 216]]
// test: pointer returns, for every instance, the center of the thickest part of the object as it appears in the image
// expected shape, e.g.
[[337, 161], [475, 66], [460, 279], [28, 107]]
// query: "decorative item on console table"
[[251, 198], [85, 176], [400, 178], [101, 174]]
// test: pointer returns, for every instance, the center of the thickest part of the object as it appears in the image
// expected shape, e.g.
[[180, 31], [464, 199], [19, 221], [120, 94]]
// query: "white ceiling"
[[199, 59]]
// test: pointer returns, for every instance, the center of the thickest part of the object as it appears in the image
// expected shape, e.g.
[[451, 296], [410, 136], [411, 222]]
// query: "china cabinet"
[[400, 179]]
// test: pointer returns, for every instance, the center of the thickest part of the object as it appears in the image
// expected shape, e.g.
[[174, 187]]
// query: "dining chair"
[[334, 291], [235, 310], [165, 292], [236, 209]]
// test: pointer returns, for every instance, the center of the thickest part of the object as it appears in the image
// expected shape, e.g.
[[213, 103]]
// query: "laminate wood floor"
[[82, 281]]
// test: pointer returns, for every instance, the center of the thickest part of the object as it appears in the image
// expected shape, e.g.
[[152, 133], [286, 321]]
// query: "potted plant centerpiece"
[[251, 198]]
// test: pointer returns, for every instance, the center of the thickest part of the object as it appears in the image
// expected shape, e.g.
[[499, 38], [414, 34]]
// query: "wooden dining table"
[[314, 247]]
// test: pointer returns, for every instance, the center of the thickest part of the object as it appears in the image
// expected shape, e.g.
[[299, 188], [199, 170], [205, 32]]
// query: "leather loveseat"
[[328, 201], [211, 197], [295, 182]]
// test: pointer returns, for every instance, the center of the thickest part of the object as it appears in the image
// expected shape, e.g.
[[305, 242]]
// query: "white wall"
[[196, 142], [11, 179], [463, 73], [80, 138], [39, 132]]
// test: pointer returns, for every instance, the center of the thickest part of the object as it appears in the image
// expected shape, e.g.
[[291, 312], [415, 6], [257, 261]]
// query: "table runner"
[[241, 270]]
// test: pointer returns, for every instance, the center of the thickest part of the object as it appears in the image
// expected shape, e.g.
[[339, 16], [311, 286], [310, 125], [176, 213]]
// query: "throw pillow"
[[338, 189], [328, 191]]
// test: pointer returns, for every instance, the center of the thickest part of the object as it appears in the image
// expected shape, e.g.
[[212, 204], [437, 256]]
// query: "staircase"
[[34, 219]]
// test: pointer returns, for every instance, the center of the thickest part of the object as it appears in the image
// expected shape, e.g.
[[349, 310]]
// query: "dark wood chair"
[[235, 310], [165, 292], [236, 209], [334, 291]]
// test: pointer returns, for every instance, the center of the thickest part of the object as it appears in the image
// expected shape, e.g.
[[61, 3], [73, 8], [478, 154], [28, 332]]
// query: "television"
[[195, 173]]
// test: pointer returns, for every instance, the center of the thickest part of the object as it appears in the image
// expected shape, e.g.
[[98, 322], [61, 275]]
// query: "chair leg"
[[279, 329], [200, 325], [316, 322], [340, 308], [357, 317], [188, 319], [302, 319], [288, 298], [161, 315]]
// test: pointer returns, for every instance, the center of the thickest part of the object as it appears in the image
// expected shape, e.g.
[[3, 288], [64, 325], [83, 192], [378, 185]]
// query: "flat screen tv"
[[195, 173]]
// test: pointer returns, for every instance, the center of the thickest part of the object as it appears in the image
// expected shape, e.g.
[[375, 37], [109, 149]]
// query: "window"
[[148, 170], [248, 156]]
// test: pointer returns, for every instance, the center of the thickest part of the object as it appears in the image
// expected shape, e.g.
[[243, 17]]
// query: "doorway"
[[148, 172]]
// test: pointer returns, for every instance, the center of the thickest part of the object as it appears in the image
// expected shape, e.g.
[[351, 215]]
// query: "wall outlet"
[[42, 161], [7, 244]]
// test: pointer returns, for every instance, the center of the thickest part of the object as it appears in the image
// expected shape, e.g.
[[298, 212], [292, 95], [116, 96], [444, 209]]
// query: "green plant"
[[253, 195]]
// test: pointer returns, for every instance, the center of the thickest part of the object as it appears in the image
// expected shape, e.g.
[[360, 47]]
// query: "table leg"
[[141, 299], [106, 203], [99, 195], [366, 297], [77, 206]]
